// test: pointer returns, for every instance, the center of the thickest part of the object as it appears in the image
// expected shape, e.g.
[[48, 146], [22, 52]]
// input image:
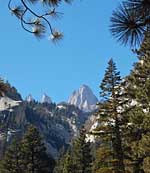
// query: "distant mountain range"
[[57, 123], [83, 98], [44, 99]]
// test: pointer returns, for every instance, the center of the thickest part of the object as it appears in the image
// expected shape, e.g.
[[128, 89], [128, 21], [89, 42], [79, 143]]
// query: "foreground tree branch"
[[130, 21], [38, 23]]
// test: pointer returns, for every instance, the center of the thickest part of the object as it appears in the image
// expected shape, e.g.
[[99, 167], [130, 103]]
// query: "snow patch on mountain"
[[61, 107], [84, 99], [7, 103]]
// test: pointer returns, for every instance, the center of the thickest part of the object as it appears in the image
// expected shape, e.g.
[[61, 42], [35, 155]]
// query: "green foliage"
[[28, 156], [139, 90], [35, 158], [111, 119], [102, 163], [78, 158], [145, 46], [82, 157], [146, 164], [68, 164], [130, 21], [124, 118], [12, 160], [3, 87]]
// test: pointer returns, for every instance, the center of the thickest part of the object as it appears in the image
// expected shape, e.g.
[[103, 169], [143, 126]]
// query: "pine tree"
[[68, 166], [27, 156], [145, 46], [12, 159], [102, 160], [78, 159], [35, 158], [139, 91], [65, 163], [82, 158], [111, 122], [130, 21]]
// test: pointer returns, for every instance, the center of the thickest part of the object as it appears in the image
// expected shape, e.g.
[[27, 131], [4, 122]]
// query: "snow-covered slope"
[[46, 99], [84, 99], [7, 103]]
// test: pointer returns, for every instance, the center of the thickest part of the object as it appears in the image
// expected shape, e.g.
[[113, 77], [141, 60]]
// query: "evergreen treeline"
[[78, 159], [28, 155], [124, 118]]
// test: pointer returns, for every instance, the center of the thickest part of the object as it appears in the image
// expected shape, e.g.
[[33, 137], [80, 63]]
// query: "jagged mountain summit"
[[84, 99], [29, 98], [46, 99]]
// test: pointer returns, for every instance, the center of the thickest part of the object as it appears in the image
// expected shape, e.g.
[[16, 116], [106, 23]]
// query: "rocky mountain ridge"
[[57, 123], [46, 99], [84, 99]]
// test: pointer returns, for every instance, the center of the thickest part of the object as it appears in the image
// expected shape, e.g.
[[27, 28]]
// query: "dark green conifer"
[[68, 166], [78, 158], [12, 159], [82, 158], [111, 122], [139, 91], [65, 163], [35, 158]]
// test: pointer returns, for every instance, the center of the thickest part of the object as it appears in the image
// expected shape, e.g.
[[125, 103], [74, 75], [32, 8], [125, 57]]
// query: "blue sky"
[[37, 67]]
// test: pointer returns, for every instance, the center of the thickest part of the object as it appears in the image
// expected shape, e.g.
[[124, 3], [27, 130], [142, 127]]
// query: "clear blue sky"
[[36, 67]]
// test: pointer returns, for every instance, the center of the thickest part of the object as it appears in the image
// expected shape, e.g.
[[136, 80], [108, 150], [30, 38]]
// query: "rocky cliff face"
[[84, 99]]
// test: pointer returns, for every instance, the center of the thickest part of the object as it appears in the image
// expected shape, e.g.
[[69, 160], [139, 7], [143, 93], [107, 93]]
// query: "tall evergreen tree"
[[82, 158], [139, 91], [78, 158], [65, 163], [111, 120], [35, 158], [101, 163], [68, 166], [27, 156], [130, 24], [12, 159]]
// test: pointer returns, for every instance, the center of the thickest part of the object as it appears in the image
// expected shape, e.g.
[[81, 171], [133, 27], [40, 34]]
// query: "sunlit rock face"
[[29, 98], [84, 99], [46, 99]]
